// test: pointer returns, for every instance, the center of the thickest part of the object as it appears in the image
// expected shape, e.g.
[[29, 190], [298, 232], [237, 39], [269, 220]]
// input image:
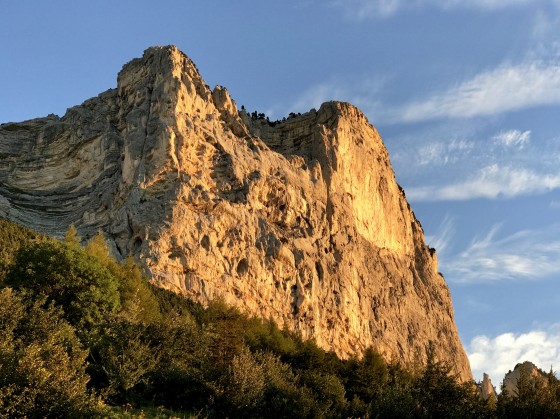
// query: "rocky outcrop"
[[302, 222], [526, 371], [487, 390]]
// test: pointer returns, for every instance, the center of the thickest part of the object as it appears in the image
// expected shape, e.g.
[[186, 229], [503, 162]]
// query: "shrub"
[[69, 277], [12, 237], [42, 364]]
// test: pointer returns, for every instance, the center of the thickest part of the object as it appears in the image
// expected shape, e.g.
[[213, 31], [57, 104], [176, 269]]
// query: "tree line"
[[83, 335]]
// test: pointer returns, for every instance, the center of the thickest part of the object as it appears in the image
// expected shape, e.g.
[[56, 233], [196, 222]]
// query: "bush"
[[12, 237], [69, 277], [42, 363], [74, 317], [536, 397]]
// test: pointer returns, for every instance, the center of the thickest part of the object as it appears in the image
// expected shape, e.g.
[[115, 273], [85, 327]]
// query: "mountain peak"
[[300, 220]]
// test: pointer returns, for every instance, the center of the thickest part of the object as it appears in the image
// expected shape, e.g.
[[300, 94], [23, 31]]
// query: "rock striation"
[[300, 221]]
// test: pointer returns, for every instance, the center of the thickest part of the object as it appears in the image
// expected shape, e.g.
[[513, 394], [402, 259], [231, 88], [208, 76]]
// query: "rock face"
[[301, 221], [528, 370], [487, 390]]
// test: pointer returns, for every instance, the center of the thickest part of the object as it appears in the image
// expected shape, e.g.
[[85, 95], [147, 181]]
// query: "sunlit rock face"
[[487, 391], [300, 221]]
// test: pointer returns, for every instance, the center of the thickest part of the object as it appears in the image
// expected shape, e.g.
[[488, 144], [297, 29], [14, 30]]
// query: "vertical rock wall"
[[300, 221]]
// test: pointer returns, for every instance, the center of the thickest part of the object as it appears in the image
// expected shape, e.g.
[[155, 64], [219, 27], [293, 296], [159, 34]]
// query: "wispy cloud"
[[443, 152], [527, 254], [506, 88], [441, 240], [513, 138], [491, 182], [360, 91], [503, 89], [545, 25], [365, 9], [497, 355]]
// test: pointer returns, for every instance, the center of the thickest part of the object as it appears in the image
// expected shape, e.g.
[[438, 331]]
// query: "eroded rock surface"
[[302, 222]]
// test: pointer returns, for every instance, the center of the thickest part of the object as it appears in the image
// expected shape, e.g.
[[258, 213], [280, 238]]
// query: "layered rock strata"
[[300, 221]]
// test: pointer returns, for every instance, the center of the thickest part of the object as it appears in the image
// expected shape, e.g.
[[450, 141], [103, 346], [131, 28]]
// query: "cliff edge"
[[300, 221]]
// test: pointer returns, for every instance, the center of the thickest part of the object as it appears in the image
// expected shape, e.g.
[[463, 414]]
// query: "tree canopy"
[[84, 335]]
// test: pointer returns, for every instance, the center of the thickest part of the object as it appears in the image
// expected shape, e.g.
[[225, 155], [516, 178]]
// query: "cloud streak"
[[366, 9], [443, 237], [497, 355], [513, 138], [504, 89], [491, 182], [527, 254], [443, 152], [360, 91]]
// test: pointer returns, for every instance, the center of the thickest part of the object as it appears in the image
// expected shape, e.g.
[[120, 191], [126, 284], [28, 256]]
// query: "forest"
[[83, 335]]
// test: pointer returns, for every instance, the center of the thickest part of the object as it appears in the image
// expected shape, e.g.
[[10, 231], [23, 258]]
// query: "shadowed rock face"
[[301, 222], [526, 369]]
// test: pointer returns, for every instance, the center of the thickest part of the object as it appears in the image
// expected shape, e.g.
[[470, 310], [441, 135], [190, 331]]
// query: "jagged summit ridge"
[[302, 221]]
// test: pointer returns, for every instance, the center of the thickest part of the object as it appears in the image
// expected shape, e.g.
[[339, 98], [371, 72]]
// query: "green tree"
[[537, 396], [284, 396], [439, 393], [69, 277], [71, 237], [328, 391], [367, 376], [42, 364], [12, 238], [127, 356], [139, 303], [396, 399], [245, 383]]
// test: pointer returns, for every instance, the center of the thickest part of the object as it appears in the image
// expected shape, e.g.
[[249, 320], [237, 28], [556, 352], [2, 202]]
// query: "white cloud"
[[443, 152], [491, 182], [363, 9], [503, 89], [527, 254], [496, 356], [513, 138], [507, 88]]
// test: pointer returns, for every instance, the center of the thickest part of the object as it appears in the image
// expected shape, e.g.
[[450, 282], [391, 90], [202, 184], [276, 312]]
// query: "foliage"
[[536, 397], [12, 237], [66, 275], [42, 363], [84, 335]]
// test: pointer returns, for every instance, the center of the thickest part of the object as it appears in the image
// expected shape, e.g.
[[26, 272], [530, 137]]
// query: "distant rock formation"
[[511, 378], [302, 222], [487, 390]]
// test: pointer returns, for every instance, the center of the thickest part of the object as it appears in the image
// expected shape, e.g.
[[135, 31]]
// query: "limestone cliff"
[[301, 222]]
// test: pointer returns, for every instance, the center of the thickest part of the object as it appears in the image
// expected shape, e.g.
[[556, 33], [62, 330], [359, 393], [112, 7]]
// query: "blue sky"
[[466, 95]]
